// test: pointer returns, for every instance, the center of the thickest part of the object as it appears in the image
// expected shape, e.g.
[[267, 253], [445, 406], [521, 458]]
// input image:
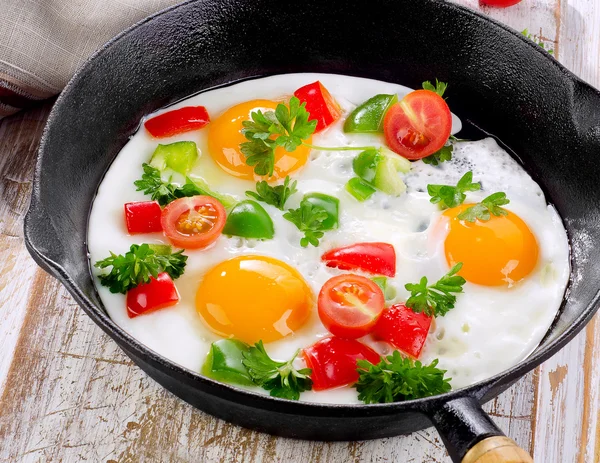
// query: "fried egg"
[[516, 266]]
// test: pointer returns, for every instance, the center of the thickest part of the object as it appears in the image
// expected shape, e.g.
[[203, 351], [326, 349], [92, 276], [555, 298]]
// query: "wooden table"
[[68, 394]]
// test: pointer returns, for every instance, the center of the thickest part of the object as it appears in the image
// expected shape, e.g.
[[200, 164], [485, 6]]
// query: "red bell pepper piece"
[[159, 293], [376, 258], [333, 361], [320, 104], [499, 3], [177, 121], [143, 217], [403, 328]]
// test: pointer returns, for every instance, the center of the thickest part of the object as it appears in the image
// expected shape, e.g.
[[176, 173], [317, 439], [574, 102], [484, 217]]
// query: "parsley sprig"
[[437, 299], [138, 264], [484, 210], [309, 219], [439, 87], [287, 126], [152, 184], [451, 196], [396, 379], [281, 378], [442, 155], [274, 195]]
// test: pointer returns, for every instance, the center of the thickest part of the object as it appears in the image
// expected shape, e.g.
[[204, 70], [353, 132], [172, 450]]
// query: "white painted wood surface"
[[67, 394]]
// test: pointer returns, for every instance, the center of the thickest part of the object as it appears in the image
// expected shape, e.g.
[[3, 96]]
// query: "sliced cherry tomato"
[[148, 297], [349, 305], [177, 121], [143, 217], [333, 361], [403, 328], [320, 104], [499, 3], [419, 125], [193, 222], [376, 258]]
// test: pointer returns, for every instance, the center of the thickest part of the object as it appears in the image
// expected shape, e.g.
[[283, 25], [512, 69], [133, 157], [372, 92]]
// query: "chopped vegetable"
[[194, 222], [281, 378], [333, 361], [485, 209], [403, 328], [439, 87], [274, 195], [438, 299], [321, 106], [309, 219], [451, 196], [139, 264], [329, 204], [349, 305], [179, 156], [249, 220], [394, 379], [152, 184], [142, 217], [499, 3], [287, 126], [360, 189], [375, 258], [419, 125], [389, 292], [177, 121], [224, 362], [158, 293], [380, 167], [442, 155], [368, 117]]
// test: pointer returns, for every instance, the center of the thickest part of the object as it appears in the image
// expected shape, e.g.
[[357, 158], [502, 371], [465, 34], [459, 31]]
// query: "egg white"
[[489, 330]]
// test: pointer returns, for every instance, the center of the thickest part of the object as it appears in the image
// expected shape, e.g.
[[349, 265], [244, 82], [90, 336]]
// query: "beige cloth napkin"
[[43, 42]]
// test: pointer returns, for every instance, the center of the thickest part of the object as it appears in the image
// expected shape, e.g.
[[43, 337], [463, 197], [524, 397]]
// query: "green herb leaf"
[[485, 209], [435, 300], [152, 184], [442, 155], [287, 126], [439, 87], [138, 265], [309, 219], [275, 196], [451, 196], [537, 40], [281, 378], [395, 379]]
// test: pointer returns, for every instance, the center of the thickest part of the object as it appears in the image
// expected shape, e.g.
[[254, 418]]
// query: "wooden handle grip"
[[498, 449]]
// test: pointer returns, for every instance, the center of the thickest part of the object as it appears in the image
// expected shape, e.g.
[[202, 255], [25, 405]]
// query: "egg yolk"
[[254, 297], [501, 251], [225, 136]]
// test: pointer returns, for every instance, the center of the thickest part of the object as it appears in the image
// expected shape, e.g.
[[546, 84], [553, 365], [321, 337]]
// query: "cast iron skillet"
[[499, 82]]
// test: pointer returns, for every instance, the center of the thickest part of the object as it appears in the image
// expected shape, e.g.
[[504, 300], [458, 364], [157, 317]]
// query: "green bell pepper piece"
[[365, 164], [368, 117], [329, 204], [360, 189], [224, 362], [249, 220], [179, 156], [389, 292]]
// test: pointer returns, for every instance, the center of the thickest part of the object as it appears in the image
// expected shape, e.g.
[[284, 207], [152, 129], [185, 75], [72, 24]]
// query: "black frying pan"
[[499, 82]]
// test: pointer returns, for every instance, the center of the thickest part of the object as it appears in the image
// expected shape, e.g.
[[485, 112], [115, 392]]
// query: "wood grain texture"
[[68, 394]]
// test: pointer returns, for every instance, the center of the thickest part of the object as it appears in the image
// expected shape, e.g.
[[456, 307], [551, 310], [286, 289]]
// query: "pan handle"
[[471, 436]]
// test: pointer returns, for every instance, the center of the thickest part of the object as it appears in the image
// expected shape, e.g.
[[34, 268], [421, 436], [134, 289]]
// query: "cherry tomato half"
[[499, 3], [194, 222], [403, 328], [376, 258], [159, 293], [177, 121], [349, 305], [333, 361], [142, 217], [320, 104], [417, 126]]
